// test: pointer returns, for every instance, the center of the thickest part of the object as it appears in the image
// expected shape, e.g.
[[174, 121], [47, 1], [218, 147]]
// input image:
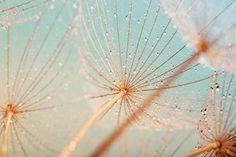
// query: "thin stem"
[[143, 107], [69, 148], [3, 147], [204, 149]]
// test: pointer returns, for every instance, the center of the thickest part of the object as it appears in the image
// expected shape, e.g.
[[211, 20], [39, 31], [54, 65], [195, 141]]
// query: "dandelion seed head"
[[217, 124], [208, 27], [131, 51], [36, 63]]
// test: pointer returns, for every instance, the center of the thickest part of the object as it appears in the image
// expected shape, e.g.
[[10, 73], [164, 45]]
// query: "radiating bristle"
[[131, 48], [12, 12], [208, 27], [37, 68], [218, 117]]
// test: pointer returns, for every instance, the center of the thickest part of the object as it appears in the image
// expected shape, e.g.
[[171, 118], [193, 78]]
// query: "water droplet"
[[138, 22], [126, 18], [145, 39], [217, 87]]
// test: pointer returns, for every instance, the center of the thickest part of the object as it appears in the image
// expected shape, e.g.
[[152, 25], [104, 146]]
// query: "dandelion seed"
[[123, 67], [32, 84], [204, 27], [217, 132]]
